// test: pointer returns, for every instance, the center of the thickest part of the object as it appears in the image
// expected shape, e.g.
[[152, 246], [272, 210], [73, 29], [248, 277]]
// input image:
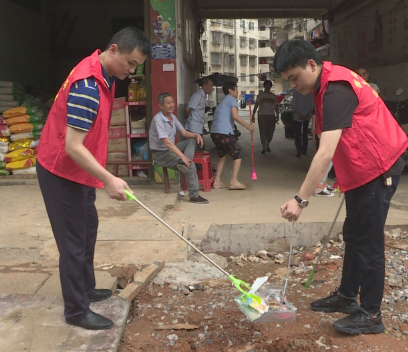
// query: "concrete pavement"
[[31, 317]]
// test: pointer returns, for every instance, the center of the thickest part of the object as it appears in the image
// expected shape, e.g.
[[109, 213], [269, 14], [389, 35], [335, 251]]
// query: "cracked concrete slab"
[[36, 323], [24, 283]]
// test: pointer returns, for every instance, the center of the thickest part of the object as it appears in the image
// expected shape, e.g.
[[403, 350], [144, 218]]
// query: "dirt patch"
[[223, 327]]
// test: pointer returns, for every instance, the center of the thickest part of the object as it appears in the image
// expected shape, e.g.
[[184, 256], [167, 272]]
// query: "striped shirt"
[[83, 101]]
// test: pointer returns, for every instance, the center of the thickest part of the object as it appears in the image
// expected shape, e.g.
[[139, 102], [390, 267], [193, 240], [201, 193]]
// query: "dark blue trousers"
[[363, 231], [74, 221], [301, 133]]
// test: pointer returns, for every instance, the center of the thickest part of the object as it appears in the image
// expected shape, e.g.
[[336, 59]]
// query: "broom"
[[252, 143]]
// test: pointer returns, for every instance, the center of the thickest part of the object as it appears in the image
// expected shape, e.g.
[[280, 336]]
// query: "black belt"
[[155, 151]]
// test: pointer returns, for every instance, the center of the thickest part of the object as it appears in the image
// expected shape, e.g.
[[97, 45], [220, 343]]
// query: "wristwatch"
[[302, 202]]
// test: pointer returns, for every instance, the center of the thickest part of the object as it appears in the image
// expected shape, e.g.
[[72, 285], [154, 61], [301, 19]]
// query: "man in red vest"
[[366, 143], [71, 164]]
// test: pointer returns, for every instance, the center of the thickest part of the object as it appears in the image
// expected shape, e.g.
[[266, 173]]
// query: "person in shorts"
[[222, 134]]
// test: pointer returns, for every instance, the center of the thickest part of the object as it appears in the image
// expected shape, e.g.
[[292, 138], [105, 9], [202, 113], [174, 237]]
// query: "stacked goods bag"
[[4, 142], [4, 130], [11, 95], [21, 159], [24, 122]]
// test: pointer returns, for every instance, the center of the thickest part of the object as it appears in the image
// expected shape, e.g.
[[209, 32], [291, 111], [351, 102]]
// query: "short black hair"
[[163, 96], [129, 38], [206, 80], [267, 81], [227, 86], [293, 53]]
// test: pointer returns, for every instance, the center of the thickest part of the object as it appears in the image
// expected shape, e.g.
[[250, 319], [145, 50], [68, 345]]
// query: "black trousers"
[[301, 140], [363, 231], [74, 221]]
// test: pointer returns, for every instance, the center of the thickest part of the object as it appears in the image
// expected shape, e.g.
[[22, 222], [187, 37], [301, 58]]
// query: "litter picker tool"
[[252, 143], [319, 257], [236, 282], [290, 256]]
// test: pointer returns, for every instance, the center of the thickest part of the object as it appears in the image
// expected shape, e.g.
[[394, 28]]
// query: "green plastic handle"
[[130, 195], [237, 283]]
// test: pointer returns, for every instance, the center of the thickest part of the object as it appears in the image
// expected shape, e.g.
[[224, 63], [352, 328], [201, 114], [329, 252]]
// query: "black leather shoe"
[[99, 295], [335, 303], [92, 321]]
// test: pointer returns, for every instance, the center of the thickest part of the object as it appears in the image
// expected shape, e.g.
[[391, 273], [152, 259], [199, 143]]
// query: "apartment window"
[[252, 92], [229, 23], [232, 60], [215, 59], [262, 44], [252, 60], [226, 60], [216, 37], [214, 20], [231, 41], [225, 38], [251, 26], [242, 42], [252, 43], [204, 46], [243, 92], [243, 60], [262, 28], [252, 80], [242, 24], [243, 78]]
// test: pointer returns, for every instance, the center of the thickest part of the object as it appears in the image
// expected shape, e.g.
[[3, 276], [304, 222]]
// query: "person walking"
[[222, 134], [365, 143], [268, 115], [71, 164], [302, 106]]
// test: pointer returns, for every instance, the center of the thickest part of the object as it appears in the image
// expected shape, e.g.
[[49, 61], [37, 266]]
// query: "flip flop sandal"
[[237, 187], [221, 185]]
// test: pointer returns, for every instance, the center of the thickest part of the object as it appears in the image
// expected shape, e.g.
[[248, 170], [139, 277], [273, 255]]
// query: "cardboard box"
[[117, 145], [117, 132], [139, 124], [118, 170], [118, 116], [117, 156]]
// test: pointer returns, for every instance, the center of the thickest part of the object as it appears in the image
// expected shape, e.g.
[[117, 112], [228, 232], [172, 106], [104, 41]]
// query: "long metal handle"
[[328, 235], [290, 256], [176, 233]]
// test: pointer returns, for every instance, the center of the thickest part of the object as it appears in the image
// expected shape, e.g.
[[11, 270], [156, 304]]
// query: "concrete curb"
[[141, 280]]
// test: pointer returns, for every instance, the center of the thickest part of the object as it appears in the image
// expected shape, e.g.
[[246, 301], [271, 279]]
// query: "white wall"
[[23, 57], [355, 41]]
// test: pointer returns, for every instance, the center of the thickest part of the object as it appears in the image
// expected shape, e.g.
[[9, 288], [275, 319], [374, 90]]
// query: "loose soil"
[[221, 326]]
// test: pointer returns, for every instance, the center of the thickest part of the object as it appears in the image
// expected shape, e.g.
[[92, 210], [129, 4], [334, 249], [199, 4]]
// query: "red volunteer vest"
[[51, 150], [373, 143]]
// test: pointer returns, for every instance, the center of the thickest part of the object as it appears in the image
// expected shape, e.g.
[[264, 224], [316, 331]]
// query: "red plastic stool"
[[205, 175]]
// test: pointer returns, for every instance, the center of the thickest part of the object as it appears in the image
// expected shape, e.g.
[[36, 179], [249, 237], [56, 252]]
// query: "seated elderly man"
[[178, 156]]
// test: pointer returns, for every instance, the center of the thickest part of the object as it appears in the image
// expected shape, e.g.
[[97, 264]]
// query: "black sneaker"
[[335, 303], [199, 200], [360, 322], [182, 167]]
